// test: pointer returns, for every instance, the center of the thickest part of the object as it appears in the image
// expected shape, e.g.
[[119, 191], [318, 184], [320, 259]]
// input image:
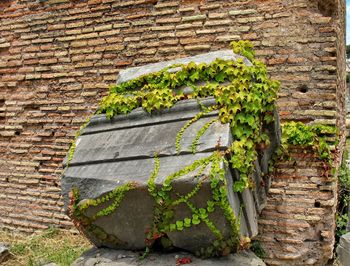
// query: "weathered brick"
[[87, 36], [242, 12], [167, 20], [78, 44], [109, 33], [77, 24], [73, 32], [320, 20], [211, 23], [162, 28], [197, 47], [249, 19], [227, 38], [188, 26], [103, 27], [194, 18]]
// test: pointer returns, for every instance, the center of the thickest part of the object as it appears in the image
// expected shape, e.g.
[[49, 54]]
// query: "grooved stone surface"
[[146, 134]]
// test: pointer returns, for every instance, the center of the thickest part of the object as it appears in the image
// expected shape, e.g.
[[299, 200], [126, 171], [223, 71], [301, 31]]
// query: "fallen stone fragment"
[[119, 198]]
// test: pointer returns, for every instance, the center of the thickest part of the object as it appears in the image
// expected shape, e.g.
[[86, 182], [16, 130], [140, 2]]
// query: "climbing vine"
[[116, 196], [321, 138]]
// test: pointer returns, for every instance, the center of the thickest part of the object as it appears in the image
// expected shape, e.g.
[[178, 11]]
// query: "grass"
[[53, 245]]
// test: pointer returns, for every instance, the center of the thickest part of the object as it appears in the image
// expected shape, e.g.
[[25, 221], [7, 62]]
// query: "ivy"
[[321, 138], [244, 48]]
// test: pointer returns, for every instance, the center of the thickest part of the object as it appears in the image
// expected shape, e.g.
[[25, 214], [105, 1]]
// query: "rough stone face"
[[343, 250], [110, 257]]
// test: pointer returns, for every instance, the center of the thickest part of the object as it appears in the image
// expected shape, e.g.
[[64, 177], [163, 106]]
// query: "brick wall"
[[297, 226], [57, 58]]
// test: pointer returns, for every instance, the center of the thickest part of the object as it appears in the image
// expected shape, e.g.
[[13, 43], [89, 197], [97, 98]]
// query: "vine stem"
[[200, 134], [196, 118]]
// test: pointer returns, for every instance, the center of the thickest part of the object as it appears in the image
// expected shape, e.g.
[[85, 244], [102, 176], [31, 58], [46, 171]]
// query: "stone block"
[[112, 153]]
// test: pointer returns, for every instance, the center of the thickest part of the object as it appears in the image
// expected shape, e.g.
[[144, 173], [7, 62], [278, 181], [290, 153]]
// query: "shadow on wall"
[[327, 8]]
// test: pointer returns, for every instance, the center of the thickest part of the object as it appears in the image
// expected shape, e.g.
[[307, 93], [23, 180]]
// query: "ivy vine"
[[321, 138]]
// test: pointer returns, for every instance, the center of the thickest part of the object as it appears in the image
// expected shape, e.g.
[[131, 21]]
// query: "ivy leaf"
[[109, 113], [238, 132], [172, 227], [268, 118], [214, 183], [216, 243], [187, 222], [203, 213], [210, 209], [195, 76], [250, 120], [220, 77], [195, 219], [239, 186], [181, 75], [210, 72], [179, 225], [210, 203]]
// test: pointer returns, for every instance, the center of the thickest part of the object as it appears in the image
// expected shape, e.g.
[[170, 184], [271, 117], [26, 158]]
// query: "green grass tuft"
[[52, 245]]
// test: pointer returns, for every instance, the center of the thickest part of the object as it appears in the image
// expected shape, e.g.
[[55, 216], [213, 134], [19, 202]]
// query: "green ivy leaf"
[[187, 222], [179, 225], [172, 227]]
